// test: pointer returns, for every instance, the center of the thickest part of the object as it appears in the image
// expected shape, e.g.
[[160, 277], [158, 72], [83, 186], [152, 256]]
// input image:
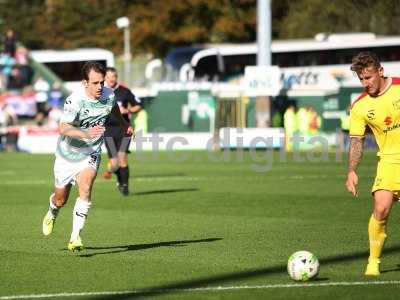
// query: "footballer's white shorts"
[[65, 171]]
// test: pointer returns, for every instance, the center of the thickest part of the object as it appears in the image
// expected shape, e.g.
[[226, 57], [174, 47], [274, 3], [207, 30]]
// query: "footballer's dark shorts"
[[116, 141]]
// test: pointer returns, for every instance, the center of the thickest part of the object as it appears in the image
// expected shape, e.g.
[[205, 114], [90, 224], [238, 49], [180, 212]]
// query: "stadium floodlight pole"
[[263, 103], [264, 32], [123, 23]]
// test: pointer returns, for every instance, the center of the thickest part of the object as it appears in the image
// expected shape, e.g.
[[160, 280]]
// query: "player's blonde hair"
[[364, 60]]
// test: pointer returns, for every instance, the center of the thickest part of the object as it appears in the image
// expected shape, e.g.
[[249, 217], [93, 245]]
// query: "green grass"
[[201, 222]]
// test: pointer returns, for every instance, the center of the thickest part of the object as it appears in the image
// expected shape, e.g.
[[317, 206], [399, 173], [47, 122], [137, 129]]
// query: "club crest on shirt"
[[92, 112], [371, 114]]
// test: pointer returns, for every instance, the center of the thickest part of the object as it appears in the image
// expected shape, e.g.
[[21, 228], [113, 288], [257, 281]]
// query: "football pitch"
[[197, 226]]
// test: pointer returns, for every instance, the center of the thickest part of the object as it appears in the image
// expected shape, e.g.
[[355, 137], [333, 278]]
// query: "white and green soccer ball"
[[302, 266]]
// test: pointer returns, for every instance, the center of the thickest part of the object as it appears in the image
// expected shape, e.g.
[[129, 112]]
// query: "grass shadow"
[[93, 251], [224, 278], [160, 175], [396, 269], [317, 279], [165, 191]]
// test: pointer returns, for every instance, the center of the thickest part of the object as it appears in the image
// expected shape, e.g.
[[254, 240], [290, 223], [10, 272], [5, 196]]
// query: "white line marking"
[[23, 182], [178, 178], [201, 289], [7, 172]]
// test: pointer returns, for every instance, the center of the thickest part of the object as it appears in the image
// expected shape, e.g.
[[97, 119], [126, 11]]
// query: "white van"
[[67, 64]]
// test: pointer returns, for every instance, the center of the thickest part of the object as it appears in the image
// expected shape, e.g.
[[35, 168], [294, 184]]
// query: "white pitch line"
[[174, 178], [204, 289], [22, 182], [7, 172]]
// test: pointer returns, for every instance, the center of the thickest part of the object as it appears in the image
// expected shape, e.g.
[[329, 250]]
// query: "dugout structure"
[[231, 110]]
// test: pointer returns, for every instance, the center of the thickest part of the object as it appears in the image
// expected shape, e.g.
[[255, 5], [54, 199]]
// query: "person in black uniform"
[[116, 141]]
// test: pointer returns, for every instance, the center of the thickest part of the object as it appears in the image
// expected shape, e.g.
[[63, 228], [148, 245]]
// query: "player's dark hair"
[[95, 66], [111, 69], [364, 60]]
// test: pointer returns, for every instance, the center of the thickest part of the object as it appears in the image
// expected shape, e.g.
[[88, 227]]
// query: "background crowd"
[[24, 97]]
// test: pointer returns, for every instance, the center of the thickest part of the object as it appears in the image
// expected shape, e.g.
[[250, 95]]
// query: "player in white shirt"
[[79, 148]]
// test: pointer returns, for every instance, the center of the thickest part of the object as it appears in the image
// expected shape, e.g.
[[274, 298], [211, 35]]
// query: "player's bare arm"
[[124, 110], [124, 124], [355, 156], [134, 108], [74, 132]]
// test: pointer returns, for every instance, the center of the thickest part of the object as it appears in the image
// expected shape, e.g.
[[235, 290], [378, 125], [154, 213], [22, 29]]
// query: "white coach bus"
[[302, 61], [67, 64]]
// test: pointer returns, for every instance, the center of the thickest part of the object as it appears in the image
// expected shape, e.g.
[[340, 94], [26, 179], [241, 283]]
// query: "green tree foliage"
[[20, 16], [71, 24], [61, 24], [158, 25], [305, 18]]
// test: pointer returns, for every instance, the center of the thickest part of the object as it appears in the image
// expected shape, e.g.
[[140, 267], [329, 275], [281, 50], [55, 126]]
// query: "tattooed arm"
[[355, 155]]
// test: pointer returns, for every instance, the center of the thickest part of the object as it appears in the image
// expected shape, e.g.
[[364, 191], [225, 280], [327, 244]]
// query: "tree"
[[305, 18], [160, 25], [157, 25], [72, 24], [19, 15]]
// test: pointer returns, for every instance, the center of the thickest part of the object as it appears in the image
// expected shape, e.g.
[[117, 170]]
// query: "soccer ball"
[[302, 266]]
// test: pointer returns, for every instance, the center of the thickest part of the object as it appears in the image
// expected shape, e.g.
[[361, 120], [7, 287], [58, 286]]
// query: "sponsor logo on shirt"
[[371, 114], [388, 121]]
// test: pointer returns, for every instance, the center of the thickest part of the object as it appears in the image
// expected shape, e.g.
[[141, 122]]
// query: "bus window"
[[67, 64], [235, 64], [221, 61], [71, 70], [331, 56], [176, 58], [207, 69]]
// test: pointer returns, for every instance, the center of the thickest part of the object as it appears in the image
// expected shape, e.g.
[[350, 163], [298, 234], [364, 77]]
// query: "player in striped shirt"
[[79, 148]]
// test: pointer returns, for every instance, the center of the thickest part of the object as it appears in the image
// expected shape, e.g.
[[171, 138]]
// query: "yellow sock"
[[109, 167], [377, 237]]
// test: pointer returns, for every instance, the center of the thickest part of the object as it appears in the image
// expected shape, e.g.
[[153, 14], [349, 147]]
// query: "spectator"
[[3, 81], [344, 129], [55, 95], [10, 43], [8, 135], [140, 121], [55, 101], [55, 114], [290, 124], [16, 80], [41, 88], [21, 58], [314, 120], [302, 121], [7, 63]]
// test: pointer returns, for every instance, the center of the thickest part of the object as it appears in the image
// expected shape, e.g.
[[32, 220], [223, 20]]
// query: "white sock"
[[53, 210], [79, 216]]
